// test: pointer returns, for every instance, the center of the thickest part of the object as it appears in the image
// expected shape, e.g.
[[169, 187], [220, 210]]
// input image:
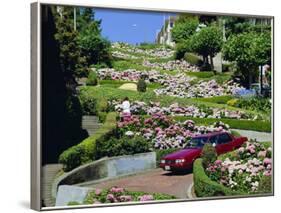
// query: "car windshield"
[[196, 142]]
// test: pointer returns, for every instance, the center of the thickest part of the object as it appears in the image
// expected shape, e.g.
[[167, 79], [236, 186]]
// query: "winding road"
[[153, 181]]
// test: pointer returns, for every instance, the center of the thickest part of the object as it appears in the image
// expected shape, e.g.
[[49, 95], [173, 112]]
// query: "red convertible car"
[[183, 159]]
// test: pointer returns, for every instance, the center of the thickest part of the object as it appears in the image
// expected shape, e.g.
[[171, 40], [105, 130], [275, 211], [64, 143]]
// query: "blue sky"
[[130, 26]]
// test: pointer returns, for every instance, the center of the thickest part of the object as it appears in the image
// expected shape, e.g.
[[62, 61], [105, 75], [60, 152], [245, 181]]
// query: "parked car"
[[183, 159]]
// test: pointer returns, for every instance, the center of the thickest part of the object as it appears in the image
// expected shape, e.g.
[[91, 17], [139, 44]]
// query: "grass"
[[206, 76], [116, 84], [121, 65], [105, 90], [260, 126], [216, 99]]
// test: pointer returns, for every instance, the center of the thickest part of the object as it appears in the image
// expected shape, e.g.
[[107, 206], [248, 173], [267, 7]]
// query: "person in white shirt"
[[126, 108]]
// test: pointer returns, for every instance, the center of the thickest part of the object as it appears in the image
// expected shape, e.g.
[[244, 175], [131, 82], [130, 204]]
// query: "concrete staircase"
[[49, 173], [90, 123]]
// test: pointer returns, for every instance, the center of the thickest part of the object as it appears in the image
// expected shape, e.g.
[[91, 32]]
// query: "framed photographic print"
[[139, 105]]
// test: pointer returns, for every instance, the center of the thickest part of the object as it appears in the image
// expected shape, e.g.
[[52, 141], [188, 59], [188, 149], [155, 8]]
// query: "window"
[[214, 139], [224, 138]]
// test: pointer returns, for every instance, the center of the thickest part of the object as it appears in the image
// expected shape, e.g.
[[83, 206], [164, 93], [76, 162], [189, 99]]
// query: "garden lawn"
[[261, 126], [207, 76], [111, 92]]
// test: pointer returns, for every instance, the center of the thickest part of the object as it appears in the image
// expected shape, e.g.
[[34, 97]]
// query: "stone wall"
[[107, 168]]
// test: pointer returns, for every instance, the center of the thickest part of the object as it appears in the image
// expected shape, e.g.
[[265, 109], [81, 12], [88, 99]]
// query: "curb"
[[189, 191]]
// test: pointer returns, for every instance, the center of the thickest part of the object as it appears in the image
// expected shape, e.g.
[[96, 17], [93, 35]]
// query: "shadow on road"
[[178, 173]]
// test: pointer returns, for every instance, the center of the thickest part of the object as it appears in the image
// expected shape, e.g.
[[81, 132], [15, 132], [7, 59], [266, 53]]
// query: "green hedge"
[[261, 126], [205, 187], [84, 152], [193, 59]]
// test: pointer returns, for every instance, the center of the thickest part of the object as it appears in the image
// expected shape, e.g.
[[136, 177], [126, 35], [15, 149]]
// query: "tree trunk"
[[212, 62]]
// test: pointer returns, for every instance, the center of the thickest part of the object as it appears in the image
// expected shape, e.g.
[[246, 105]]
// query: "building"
[[164, 36]]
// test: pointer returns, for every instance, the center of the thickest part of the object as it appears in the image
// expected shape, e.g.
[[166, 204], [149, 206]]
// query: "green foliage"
[[205, 187], [150, 46], [141, 86], [101, 197], [102, 105], [73, 203], [88, 104], [193, 59], [208, 154], [184, 29], [92, 79], [248, 50], [127, 64], [232, 102], [238, 25], [265, 185], [182, 48], [261, 126], [254, 103], [207, 42], [84, 152], [124, 146], [72, 62], [94, 47], [217, 99]]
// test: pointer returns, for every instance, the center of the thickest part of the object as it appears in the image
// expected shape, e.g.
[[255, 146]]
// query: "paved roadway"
[[155, 180]]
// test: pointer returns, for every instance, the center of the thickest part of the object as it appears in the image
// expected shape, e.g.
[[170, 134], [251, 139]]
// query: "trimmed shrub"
[[232, 102], [205, 187], [193, 59], [109, 147], [92, 79], [102, 105], [208, 154], [141, 86], [84, 152], [88, 105], [102, 116]]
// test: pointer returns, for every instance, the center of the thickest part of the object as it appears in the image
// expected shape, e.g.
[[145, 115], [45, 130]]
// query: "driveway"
[[259, 136], [152, 181]]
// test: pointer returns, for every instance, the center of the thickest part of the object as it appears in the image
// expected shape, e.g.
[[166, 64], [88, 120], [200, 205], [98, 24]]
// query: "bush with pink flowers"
[[164, 132], [119, 195], [244, 169]]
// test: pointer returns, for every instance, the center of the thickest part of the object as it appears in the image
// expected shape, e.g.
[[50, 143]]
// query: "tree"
[[61, 113], [71, 59], [207, 42], [184, 28], [248, 51], [94, 47]]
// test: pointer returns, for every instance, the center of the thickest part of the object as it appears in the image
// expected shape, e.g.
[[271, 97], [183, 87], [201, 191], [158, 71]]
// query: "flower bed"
[[155, 52], [164, 132], [244, 169], [180, 65], [205, 187], [141, 108], [179, 85], [120, 195]]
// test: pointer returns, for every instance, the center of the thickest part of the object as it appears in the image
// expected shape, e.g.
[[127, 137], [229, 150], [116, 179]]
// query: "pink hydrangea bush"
[[245, 170], [164, 132], [119, 195], [141, 108]]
